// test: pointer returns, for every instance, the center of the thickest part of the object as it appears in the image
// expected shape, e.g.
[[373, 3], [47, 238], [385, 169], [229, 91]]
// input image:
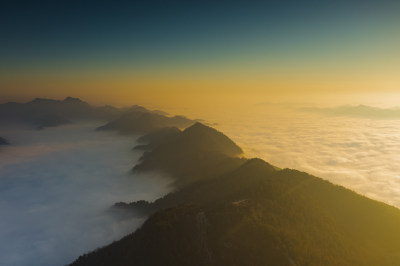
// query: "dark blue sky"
[[78, 37], [59, 30]]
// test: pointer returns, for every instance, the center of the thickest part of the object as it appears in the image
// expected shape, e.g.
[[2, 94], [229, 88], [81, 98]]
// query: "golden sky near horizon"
[[268, 53], [182, 87]]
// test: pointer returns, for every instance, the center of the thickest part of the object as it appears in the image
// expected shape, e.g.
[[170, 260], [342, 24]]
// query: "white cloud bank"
[[55, 184], [55, 188], [359, 153]]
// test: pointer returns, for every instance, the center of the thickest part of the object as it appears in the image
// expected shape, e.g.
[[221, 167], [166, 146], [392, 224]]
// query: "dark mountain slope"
[[138, 121], [200, 192], [198, 152], [47, 112], [256, 215], [250, 213], [155, 138], [201, 137]]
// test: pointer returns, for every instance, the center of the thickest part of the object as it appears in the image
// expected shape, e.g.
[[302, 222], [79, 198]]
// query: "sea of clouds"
[[360, 153], [56, 186]]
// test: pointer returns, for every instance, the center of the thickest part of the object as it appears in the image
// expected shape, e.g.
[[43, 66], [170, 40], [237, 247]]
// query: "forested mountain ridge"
[[139, 121], [43, 113], [198, 152], [250, 213]]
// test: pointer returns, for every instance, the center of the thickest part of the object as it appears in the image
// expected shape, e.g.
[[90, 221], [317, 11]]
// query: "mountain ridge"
[[44, 112], [251, 213], [137, 121], [188, 154]]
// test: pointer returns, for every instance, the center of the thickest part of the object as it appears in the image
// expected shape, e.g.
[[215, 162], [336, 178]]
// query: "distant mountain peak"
[[200, 127], [67, 100], [44, 112], [42, 100], [210, 138], [138, 108], [72, 99]]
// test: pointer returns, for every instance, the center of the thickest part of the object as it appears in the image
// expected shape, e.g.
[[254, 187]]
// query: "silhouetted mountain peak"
[[67, 100], [198, 152], [42, 100], [139, 120], [256, 165], [72, 99], [199, 126], [137, 108], [43, 112], [205, 137], [236, 211], [256, 162], [199, 129]]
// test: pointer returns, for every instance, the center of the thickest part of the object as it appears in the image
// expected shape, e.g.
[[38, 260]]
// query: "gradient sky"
[[168, 52]]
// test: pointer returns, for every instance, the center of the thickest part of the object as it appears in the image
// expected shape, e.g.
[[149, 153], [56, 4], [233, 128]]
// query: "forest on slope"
[[229, 210]]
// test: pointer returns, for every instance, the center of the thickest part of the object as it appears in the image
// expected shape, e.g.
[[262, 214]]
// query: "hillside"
[[155, 138], [198, 152], [139, 121], [250, 214], [43, 113]]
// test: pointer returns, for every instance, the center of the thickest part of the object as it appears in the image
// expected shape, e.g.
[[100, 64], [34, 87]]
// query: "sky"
[[173, 52]]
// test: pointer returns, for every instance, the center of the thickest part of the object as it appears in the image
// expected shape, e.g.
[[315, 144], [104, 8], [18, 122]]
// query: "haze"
[[56, 186], [357, 151], [310, 85]]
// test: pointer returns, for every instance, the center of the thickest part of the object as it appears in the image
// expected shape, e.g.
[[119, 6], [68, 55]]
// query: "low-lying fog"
[[55, 188], [56, 184], [360, 151]]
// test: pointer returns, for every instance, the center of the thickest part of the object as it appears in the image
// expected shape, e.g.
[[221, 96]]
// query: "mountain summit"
[[139, 120], [197, 152], [202, 137], [72, 99], [234, 211], [42, 112]]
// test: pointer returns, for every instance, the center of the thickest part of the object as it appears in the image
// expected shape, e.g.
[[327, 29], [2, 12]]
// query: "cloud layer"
[[56, 184], [55, 188], [358, 153], [361, 111]]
